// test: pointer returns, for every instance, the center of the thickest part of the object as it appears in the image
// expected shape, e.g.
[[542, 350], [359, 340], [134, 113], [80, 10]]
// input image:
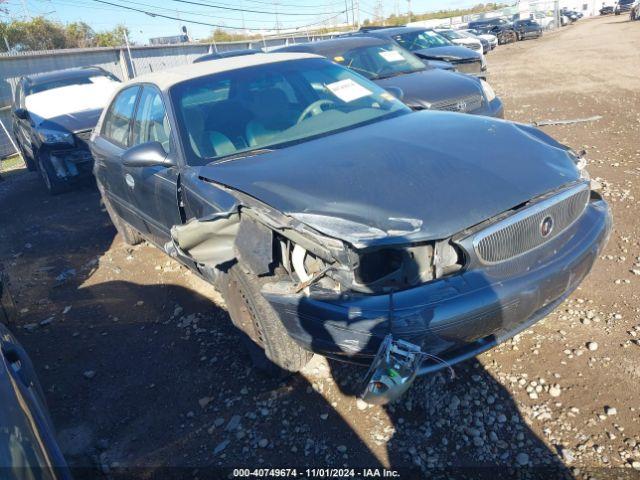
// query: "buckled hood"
[[420, 176]]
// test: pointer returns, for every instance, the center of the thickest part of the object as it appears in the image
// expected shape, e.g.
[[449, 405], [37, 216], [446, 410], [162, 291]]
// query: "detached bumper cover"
[[456, 317]]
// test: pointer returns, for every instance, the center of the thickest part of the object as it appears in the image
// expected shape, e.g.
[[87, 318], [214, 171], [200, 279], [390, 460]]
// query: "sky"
[[290, 13]]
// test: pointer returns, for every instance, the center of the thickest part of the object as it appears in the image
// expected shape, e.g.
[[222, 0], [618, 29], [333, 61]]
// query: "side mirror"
[[148, 154], [21, 113], [396, 92]]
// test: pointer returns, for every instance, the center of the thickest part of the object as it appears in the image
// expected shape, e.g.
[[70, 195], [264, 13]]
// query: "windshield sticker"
[[347, 90], [392, 56], [338, 59]]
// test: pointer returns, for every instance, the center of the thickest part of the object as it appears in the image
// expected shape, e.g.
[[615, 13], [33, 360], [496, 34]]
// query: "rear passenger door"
[[110, 143], [154, 189]]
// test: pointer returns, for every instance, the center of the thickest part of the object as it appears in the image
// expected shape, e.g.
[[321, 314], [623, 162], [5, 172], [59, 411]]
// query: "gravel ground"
[[141, 369]]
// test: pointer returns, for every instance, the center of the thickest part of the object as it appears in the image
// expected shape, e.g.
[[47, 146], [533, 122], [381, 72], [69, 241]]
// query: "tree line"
[[40, 33]]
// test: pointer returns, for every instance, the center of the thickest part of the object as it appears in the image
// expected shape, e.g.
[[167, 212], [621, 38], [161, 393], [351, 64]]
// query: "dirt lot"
[[141, 367]]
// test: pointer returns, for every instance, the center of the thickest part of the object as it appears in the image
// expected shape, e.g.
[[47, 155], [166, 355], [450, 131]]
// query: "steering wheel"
[[314, 109]]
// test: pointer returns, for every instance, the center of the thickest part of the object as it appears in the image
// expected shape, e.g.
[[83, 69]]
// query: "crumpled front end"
[[460, 312]]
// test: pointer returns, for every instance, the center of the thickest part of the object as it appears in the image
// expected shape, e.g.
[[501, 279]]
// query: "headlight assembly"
[[55, 136], [488, 91]]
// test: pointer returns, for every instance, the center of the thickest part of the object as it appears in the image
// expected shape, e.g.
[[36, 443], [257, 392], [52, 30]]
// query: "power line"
[[235, 9], [196, 22]]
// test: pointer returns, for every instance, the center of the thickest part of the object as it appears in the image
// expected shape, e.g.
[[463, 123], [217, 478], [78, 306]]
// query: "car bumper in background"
[[456, 317], [495, 109]]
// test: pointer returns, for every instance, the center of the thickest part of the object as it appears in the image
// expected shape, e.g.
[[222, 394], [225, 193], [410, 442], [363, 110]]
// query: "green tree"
[[112, 38], [80, 35]]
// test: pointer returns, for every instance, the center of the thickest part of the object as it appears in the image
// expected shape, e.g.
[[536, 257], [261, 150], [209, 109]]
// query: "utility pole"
[[358, 14], [275, 5], [409, 11], [25, 8]]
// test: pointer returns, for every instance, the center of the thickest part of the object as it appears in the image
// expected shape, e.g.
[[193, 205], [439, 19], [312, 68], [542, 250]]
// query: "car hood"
[[73, 122], [447, 53], [433, 85], [62, 104], [420, 176]]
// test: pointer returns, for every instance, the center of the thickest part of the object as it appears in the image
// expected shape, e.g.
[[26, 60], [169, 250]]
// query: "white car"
[[492, 39], [547, 22], [457, 38]]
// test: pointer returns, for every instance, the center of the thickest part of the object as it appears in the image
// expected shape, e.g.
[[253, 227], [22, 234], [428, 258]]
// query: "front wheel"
[[28, 160], [271, 348]]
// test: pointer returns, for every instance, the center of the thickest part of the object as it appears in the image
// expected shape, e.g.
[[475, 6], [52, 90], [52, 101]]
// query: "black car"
[[623, 6], [527, 29], [606, 10], [28, 447], [335, 220], [428, 45], [53, 115], [226, 54], [499, 27], [399, 71]]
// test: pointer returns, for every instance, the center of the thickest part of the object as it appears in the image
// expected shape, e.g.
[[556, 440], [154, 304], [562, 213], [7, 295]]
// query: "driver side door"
[[154, 189]]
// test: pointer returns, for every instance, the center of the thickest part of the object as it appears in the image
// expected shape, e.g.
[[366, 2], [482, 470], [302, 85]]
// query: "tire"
[[28, 161], [129, 235], [54, 185], [269, 345]]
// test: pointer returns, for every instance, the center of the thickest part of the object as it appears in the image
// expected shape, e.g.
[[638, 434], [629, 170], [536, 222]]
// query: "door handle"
[[130, 181]]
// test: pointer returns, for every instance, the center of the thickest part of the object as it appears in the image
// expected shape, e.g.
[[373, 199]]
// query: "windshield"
[[450, 34], [90, 78], [380, 61], [272, 105], [421, 39]]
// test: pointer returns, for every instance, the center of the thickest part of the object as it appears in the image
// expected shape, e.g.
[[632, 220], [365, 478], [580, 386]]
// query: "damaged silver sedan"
[[336, 221]]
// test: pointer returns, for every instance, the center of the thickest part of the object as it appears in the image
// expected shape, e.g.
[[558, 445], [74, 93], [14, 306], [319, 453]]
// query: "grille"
[[469, 103], [473, 66], [522, 232]]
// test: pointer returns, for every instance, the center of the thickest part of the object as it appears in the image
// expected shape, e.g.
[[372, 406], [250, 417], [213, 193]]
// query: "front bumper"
[[74, 164], [456, 317]]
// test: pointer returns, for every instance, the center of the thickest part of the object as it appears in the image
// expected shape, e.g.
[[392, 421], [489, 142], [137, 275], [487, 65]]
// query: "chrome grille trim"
[[468, 103], [520, 233]]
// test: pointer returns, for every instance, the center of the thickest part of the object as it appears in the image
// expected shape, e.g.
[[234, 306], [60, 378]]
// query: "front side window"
[[151, 123], [380, 61], [420, 40], [117, 121], [274, 105]]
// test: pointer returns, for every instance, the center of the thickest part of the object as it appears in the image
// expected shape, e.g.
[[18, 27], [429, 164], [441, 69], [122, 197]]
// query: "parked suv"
[[499, 27], [527, 29], [623, 6], [53, 115]]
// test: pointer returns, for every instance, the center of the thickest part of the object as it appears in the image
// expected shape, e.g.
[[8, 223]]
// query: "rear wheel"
[[271, 348], [54, 184], [130, 235]]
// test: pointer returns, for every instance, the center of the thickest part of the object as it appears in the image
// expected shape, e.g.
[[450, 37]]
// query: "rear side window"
[[151, 123], [117, 121]]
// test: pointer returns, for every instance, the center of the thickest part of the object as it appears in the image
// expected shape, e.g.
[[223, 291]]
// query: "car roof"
[[226, 54], [77, 72], [332, 47], [168, 78], [390, 31]]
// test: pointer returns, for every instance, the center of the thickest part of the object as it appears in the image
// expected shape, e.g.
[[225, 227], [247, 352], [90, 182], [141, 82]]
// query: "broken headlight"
[[54, 136]]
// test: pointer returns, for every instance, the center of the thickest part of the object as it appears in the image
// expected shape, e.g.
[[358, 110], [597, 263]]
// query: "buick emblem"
[[546, 226]]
